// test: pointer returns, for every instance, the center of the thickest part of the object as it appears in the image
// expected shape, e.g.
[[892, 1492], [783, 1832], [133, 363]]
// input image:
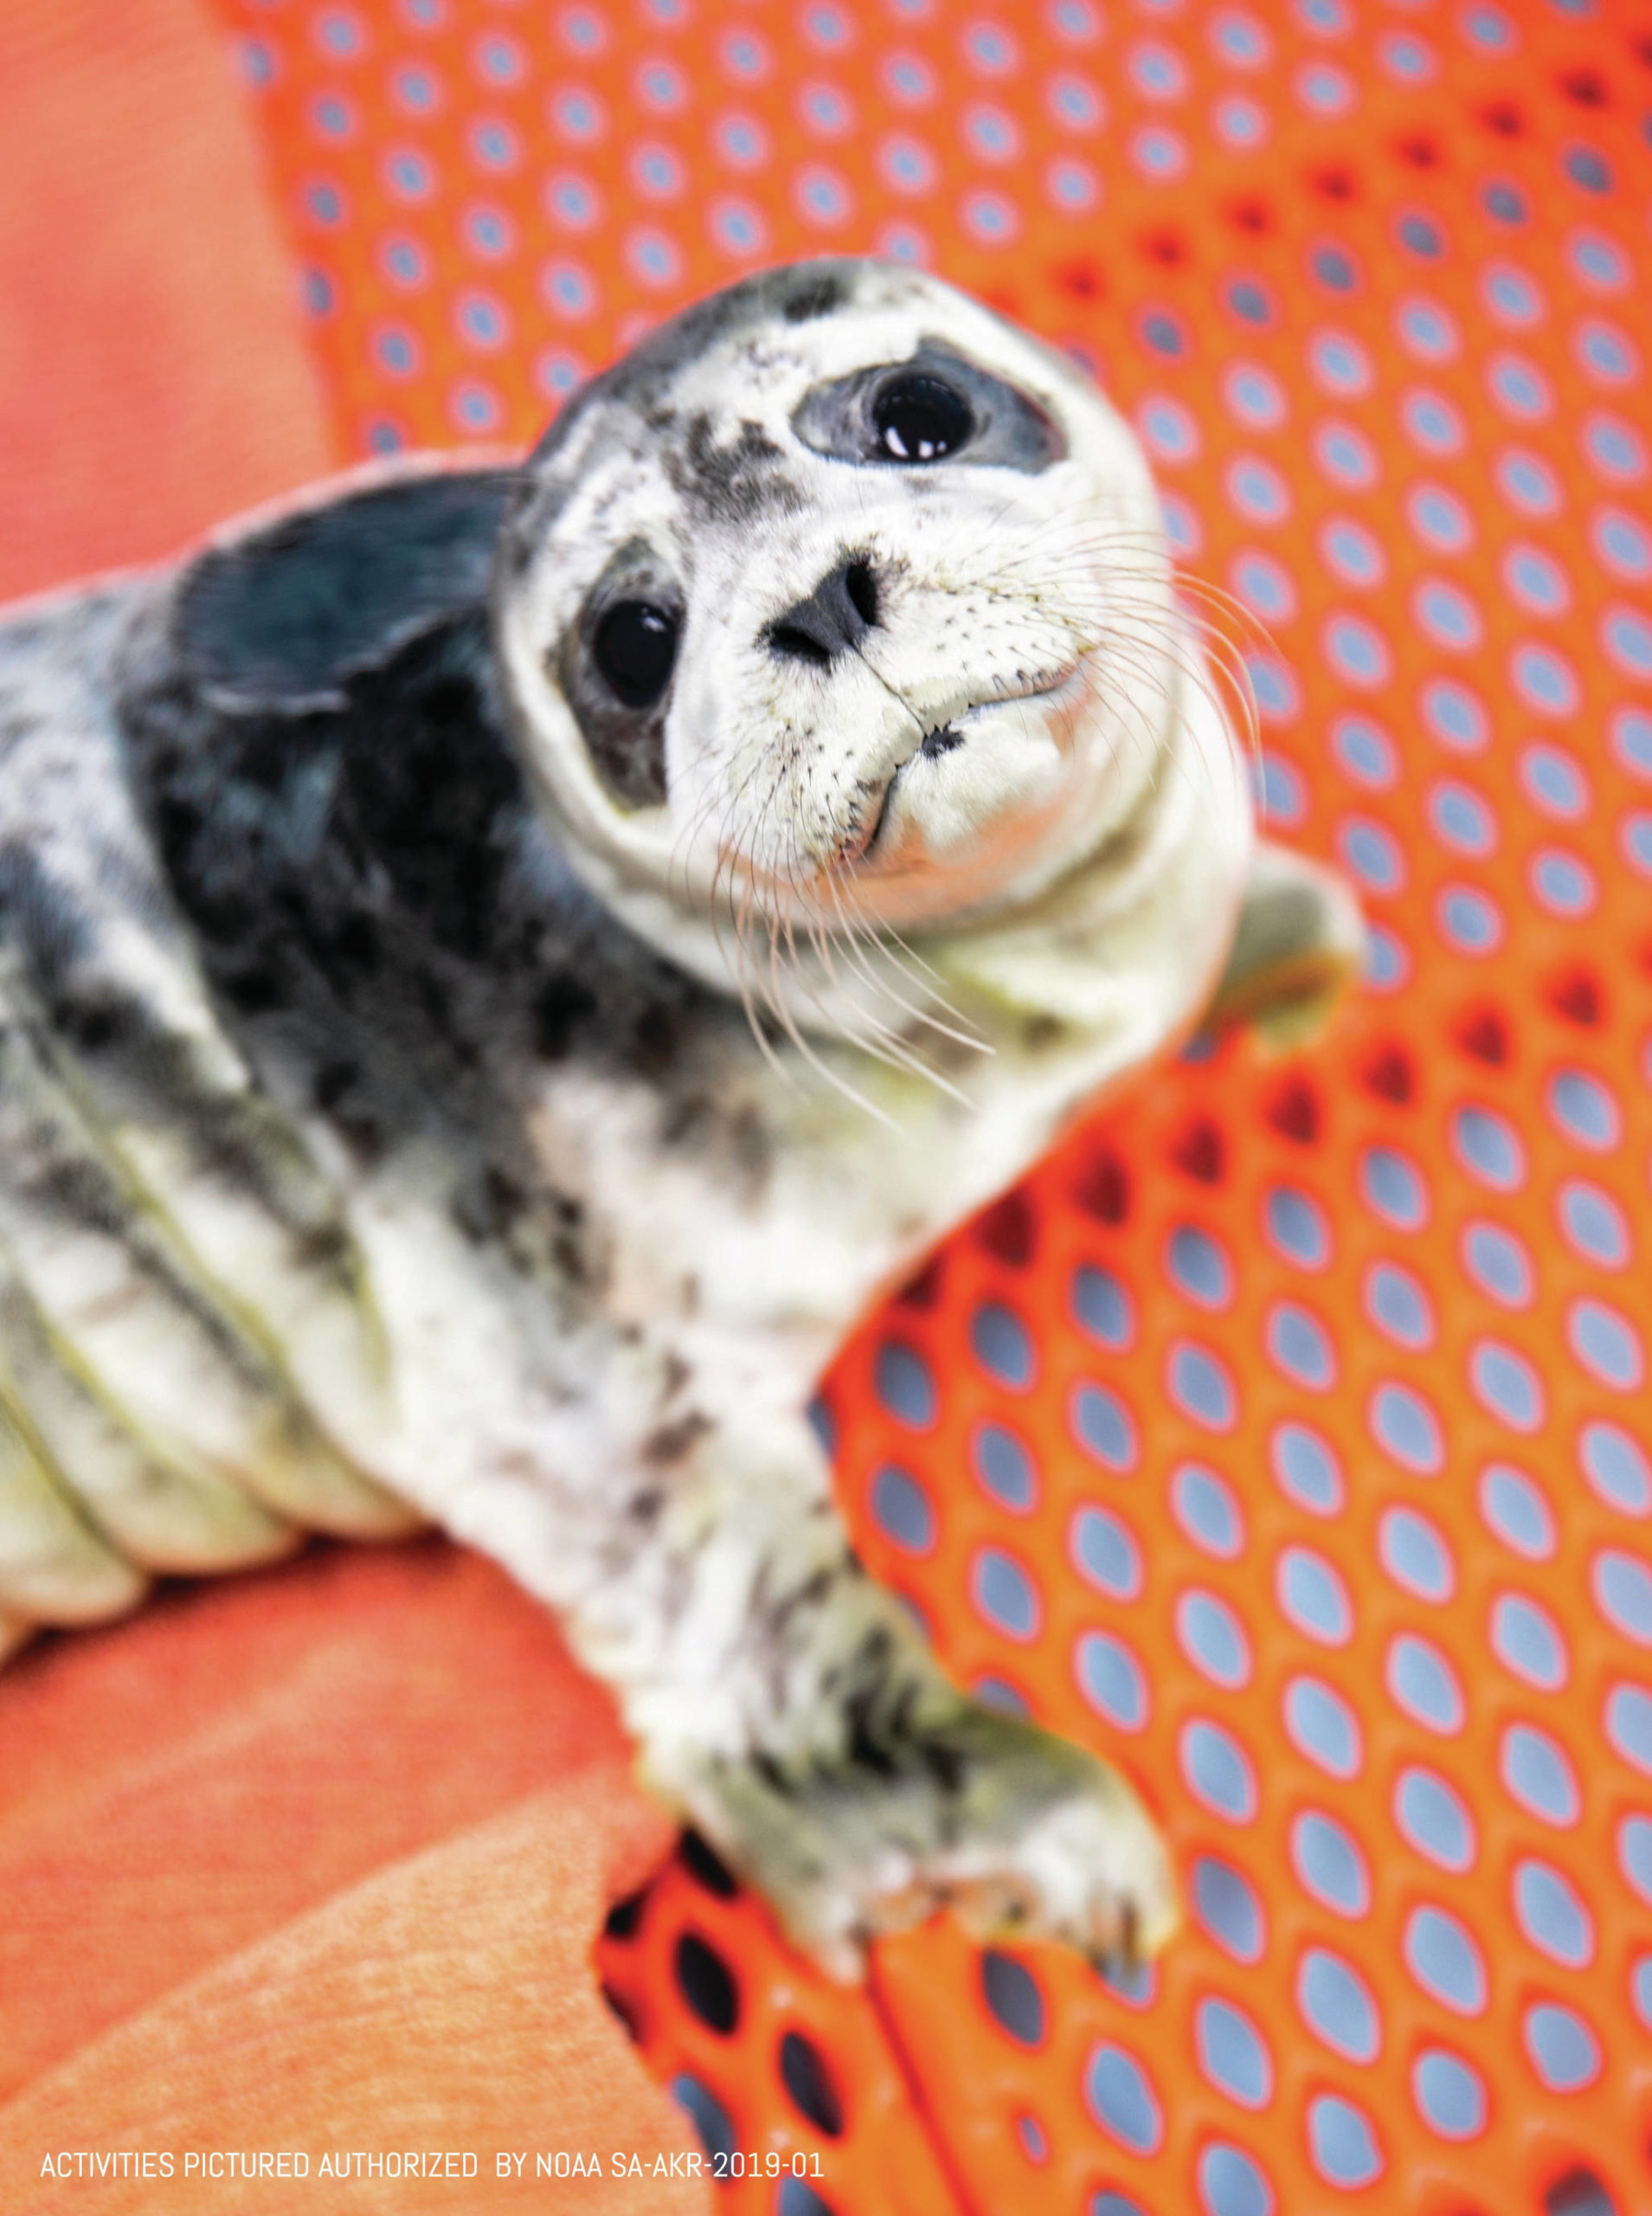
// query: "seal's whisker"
[[858, 945]]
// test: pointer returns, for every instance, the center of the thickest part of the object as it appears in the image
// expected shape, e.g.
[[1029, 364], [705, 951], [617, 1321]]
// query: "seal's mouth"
[[942, 739]]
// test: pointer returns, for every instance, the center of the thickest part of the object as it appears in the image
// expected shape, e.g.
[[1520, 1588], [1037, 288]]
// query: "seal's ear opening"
[[280, 621]]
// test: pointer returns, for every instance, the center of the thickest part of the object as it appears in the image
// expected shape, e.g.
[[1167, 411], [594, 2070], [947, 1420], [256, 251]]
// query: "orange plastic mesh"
[[1287, 1435]]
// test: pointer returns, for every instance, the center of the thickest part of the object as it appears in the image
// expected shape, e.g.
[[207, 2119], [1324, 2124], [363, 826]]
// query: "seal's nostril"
[[799, 645], [835, 617]]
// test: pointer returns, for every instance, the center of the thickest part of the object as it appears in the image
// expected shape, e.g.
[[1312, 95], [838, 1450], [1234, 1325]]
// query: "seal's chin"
[[1003, 789], [919, 798]]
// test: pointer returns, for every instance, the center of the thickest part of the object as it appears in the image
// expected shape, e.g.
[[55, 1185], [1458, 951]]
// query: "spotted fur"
[[425, 1094]]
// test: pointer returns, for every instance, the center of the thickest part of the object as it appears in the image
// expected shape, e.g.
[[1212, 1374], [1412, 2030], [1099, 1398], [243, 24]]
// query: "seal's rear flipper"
[[1301, 943]]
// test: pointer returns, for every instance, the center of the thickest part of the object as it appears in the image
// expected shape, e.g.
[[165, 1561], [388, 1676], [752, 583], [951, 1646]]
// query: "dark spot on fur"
[[92, 1024], [332, 1081], [644, 1507], [820, 294], [429, 808], [505, 1197], [561, 1006], [485, 1206], [866, 1752], [255, 991], [363, 1134], [80, 1191], [731, 483], [356, 941], [685, 1117], [752, 1152], [945, 1764], [773, 1776], [815, 1588], [655, 1036], [670, 1441]]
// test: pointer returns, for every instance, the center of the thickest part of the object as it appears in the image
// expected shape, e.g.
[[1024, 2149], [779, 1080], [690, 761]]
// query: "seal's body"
[[494, 974]]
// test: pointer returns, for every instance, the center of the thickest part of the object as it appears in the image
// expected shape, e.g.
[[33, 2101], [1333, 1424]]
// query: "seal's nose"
[[834, 618]]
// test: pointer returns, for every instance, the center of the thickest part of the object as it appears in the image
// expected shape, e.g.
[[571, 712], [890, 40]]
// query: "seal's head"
[[840, 599]]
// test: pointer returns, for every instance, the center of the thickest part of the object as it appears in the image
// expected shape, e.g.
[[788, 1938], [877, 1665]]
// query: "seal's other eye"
[[635, 650], [935, 406], [920, 418], [613, 665]]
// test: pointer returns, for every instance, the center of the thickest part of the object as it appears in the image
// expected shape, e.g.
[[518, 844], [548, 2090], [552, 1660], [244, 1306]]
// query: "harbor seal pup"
[[499, 966]]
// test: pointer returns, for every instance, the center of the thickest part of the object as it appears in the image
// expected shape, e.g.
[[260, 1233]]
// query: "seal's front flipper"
[[927, 1800], [1301, 943]]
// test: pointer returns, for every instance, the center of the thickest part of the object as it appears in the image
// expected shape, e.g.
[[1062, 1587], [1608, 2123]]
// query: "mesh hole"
[[623, 2011], [1012, 1995], [707, 1984], [1200, 1153], [1504, 119], [1250, 214], [1585, 87], [625, 1916], [1575, 995], [708, 2114], [1081, 280], [1102, 1190], [796, 2198], [1334, 183], [1483, 1033], [1294, 1112], [905, 1384], [1168, 249], [923, 1290], [1417, 150], [1580, 2192], [804, 2073], [1389, 1074], [1009, 1230], [705, 1867]]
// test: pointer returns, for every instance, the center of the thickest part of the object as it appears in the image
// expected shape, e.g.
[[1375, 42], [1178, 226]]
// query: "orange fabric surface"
[[180, 1786], [152, 375], [446, 2004], [313, 1859]]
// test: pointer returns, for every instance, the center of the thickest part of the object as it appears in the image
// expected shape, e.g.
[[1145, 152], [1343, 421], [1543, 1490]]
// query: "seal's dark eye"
[[634, 648], [921, 419]]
